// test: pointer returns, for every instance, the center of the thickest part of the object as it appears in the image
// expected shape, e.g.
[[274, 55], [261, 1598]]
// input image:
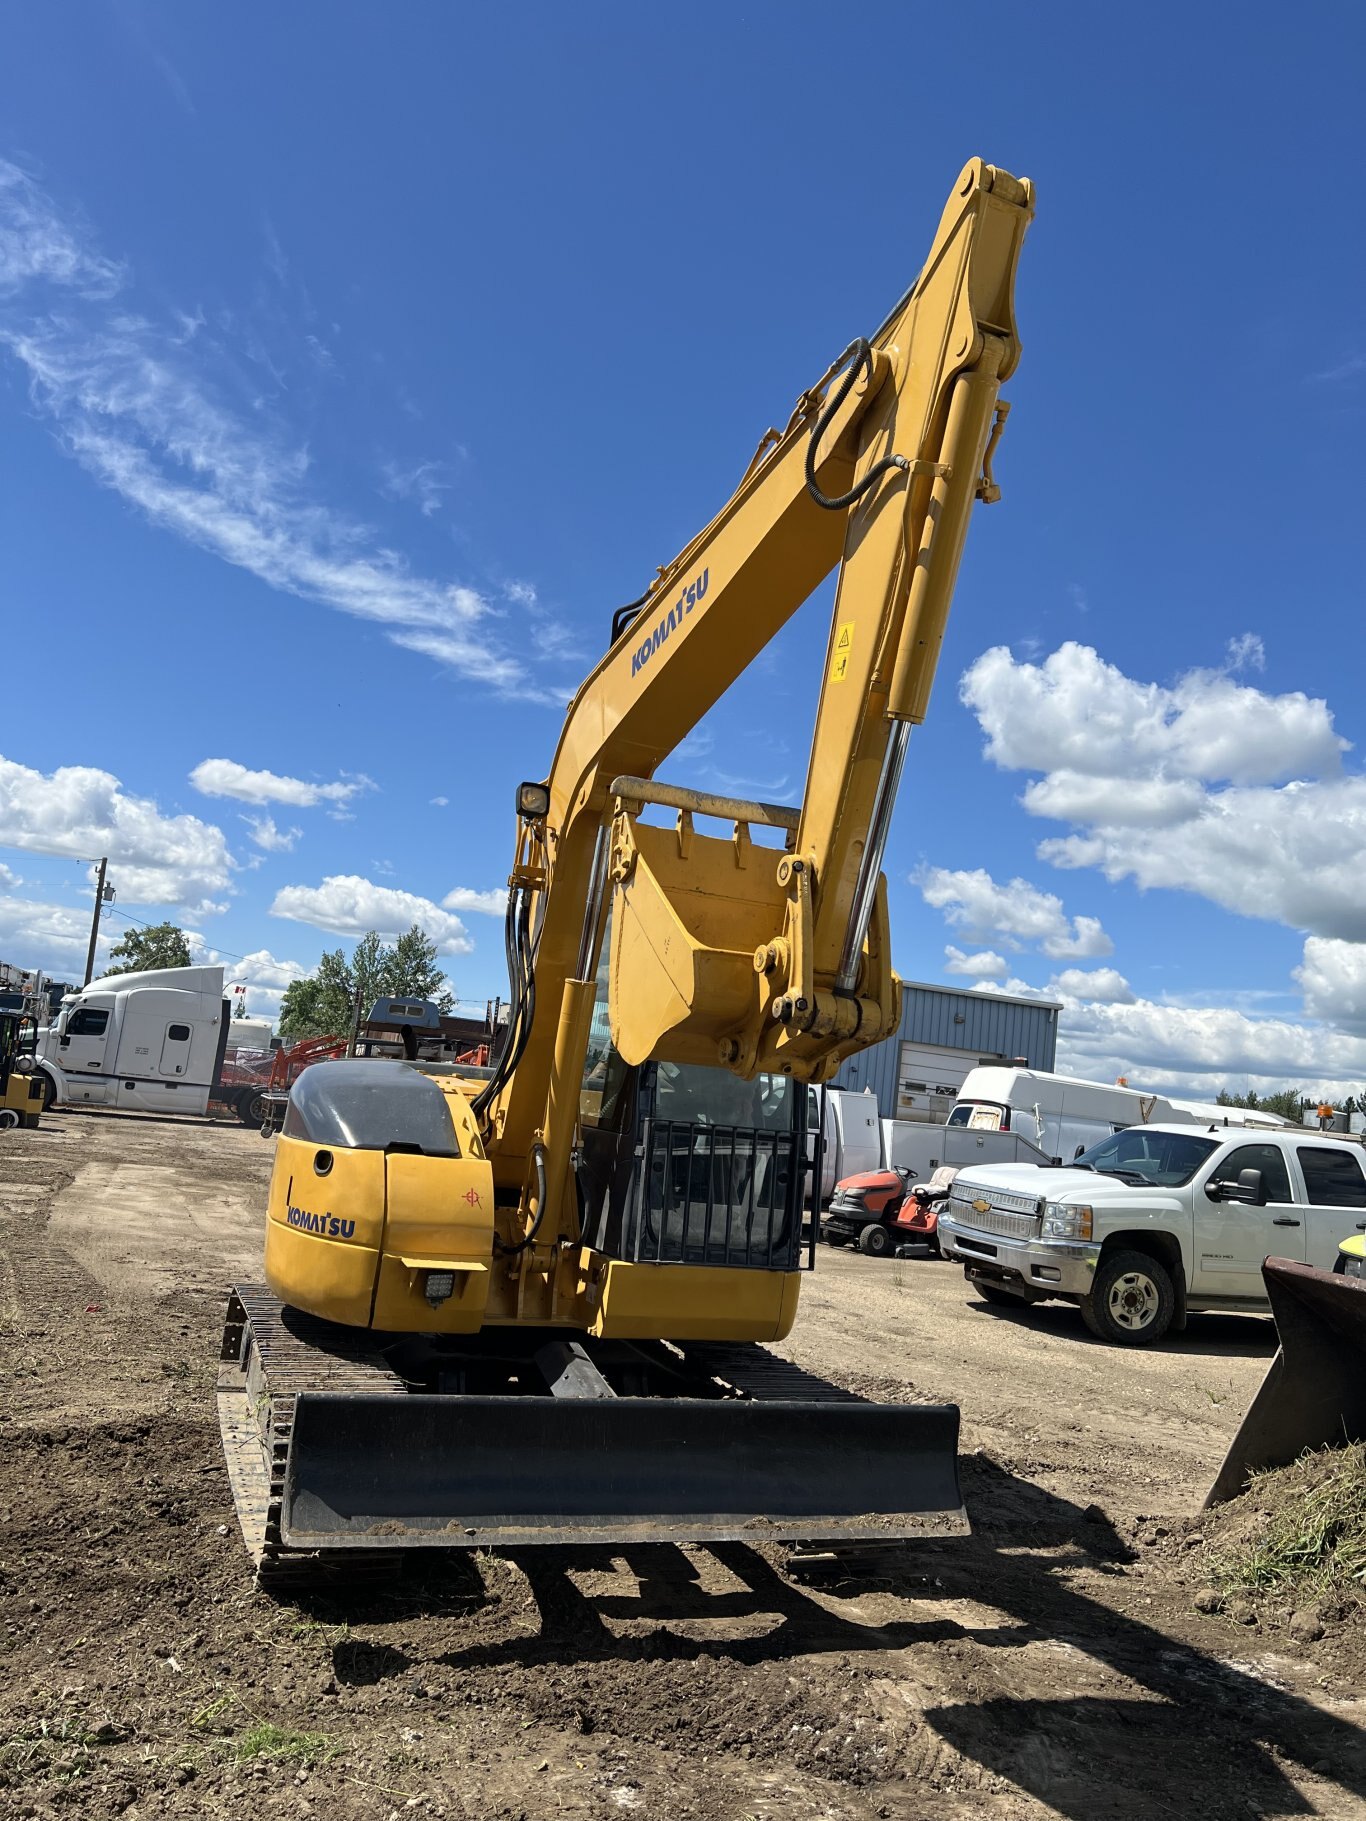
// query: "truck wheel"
[[1131, 1301], [251, 1107], [876, 1241]]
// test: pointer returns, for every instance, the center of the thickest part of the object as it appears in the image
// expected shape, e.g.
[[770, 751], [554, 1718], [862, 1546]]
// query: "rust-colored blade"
[[1314, 1392]]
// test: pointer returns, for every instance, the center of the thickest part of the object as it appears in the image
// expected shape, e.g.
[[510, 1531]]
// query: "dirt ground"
[[1053, 1664]]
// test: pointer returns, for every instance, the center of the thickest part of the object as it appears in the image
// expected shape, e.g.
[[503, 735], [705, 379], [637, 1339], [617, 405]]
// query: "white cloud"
[[423, 484], [1246, 652], [1209, 787], [523, 593], [1332, 978], [81, 813], [1100, 986], [266, 835], [439, 802], [8, 878], [348, 905], [263, 974], [127, 400], [1075, 713], [226, 778], [1204, 1049], [1017, 914], [1294, 855], [985, 965], [53, 937], [491, 903]]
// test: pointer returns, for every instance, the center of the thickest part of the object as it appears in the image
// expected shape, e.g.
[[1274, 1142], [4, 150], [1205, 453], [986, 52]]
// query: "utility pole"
[[102, 892]]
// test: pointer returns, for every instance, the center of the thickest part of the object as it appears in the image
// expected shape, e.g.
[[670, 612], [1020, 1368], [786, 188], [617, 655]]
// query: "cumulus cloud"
[[1209, 787], [266, 835], [264, 975], [131, 400], [1017, 914], [226, 778], [488, 904], [1075, 713], [1204, 1049], [984, 965], [52, 937], [347, 905], [1101, 986], [80, 812], [1332, 978]]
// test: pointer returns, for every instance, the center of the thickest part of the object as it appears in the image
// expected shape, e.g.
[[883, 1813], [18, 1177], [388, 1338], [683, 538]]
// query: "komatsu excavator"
[[524, 1306]]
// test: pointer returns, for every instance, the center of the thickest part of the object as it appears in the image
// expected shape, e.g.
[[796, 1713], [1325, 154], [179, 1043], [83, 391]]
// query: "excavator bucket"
[[473, 1472], [1314, 1392]]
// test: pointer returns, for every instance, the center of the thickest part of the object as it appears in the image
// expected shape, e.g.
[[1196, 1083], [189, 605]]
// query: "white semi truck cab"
[[1154, 1221], [152, 1042]]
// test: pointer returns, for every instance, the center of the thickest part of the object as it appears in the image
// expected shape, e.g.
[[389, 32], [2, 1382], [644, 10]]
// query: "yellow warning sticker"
[[844, 648]]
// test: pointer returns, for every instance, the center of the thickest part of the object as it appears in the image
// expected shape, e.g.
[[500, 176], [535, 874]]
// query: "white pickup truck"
[[1155, 1221]]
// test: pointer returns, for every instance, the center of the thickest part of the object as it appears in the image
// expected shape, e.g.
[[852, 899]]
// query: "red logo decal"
[[472, 1197]]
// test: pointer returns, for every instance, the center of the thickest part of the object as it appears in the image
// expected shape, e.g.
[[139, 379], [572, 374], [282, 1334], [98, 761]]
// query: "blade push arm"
[[742, 956]]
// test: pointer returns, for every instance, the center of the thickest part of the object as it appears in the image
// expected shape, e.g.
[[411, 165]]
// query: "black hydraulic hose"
[[538, 1159], [860, 356], [623, 616], [522, 985]]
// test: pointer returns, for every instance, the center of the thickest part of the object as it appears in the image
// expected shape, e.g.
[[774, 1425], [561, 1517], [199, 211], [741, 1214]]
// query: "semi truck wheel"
[[1132, 1300], [251, 1107]]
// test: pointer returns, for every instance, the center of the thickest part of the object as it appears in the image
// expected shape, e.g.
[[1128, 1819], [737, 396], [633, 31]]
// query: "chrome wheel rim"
[[1133, 1301]]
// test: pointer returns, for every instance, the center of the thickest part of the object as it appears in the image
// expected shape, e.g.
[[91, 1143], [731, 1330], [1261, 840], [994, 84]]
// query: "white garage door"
[[930, 1077]]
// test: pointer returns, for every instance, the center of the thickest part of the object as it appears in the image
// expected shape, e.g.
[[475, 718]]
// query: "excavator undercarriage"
[[342, 1454]]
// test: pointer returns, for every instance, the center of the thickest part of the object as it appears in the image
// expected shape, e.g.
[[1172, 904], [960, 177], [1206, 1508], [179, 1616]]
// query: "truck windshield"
[[981, 1116], [1164, 1159]]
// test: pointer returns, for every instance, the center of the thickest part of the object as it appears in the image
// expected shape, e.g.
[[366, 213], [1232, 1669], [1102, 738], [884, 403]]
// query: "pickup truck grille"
[[1012, 1216]]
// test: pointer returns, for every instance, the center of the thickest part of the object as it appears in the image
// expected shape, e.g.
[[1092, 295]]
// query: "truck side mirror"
[[1251, 1188], [62, 1042], [1080, 1148]]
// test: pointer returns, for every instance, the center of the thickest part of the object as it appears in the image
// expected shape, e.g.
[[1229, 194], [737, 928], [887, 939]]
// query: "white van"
[[1056, 1116]]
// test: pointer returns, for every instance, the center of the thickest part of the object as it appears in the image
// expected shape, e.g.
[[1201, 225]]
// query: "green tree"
[[323, 1003], [159, 945]]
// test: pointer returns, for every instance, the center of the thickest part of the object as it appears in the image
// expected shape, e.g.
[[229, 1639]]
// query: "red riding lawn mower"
[[887, 1211]]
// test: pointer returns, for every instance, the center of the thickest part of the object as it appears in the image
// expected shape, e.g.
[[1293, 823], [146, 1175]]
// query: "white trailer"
[[152, 1042]]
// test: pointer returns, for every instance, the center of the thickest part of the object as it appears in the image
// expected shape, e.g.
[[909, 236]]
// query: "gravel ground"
[[1054, 1664]]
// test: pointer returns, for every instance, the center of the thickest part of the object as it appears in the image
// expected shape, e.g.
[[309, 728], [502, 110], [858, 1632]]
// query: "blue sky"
[[355, 363]]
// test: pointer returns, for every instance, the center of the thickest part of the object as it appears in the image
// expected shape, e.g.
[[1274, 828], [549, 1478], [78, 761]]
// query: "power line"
[[113, 910]]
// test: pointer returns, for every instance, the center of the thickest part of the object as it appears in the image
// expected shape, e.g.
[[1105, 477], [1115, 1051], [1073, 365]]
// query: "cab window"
[[1268, 1158], [87, 1022], [1332, 1178]]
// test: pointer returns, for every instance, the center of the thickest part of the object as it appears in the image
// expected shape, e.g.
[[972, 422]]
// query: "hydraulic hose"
[[860, 356], [623, 616], [538, 1161]]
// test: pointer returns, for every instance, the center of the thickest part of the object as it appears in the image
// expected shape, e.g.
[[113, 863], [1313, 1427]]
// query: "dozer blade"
[[470, 1472], [1314, 1392]]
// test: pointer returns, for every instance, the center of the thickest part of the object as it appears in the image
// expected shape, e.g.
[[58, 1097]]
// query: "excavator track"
[[270, 1356]]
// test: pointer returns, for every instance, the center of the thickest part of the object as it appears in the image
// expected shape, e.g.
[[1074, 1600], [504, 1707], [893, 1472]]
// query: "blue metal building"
[[945, 1031]]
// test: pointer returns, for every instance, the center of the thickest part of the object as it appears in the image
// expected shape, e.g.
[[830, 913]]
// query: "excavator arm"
[[723, 951]]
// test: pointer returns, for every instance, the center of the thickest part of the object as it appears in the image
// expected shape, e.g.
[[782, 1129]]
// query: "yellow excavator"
[[524, 1306]]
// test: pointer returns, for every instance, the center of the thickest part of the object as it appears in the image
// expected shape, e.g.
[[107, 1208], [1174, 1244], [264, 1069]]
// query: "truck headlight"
[[1066, 1220]]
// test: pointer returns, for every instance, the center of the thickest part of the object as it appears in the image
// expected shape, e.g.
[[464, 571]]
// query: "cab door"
[[1231, 1238], [1335, 1193], [81, 1047]]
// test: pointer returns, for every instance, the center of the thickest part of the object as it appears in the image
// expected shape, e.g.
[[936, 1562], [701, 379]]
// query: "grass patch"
[[266, 1740], [61, 1748], [1311, 1533]]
